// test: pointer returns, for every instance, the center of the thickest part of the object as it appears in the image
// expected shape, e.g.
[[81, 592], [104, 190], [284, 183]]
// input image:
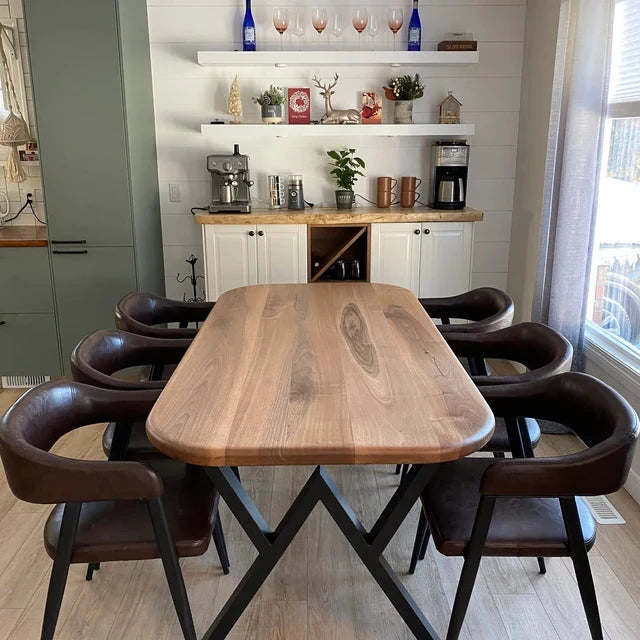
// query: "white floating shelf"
[[336, 130], [334, 58]]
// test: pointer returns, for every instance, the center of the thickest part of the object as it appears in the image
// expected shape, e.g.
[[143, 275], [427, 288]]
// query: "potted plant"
[[346, 169], [403, 91], [271, 102]]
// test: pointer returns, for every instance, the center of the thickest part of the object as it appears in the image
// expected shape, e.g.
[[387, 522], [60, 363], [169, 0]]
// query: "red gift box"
[[299, 103], [371, 108]]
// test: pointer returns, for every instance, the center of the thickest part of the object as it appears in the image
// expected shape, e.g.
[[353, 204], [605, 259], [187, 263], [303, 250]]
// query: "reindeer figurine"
[[335, 116]]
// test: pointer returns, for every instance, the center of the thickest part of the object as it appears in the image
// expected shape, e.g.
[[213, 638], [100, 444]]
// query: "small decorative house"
[[450, 110]]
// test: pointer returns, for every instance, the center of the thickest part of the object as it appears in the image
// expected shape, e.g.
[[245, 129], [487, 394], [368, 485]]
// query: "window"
[[614, 300]]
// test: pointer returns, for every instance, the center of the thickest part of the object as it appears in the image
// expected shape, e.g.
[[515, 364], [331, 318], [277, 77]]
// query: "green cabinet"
[[28, 344], [89, 283], [25, 280]]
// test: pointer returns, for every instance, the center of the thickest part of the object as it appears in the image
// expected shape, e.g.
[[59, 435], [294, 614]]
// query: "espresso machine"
[[230, 182], [449, 169]]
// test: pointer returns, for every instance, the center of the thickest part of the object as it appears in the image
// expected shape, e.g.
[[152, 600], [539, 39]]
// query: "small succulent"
[[404, 88], [272, 95]]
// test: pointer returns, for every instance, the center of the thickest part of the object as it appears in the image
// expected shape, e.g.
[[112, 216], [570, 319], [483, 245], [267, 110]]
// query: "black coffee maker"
[[449, 169]]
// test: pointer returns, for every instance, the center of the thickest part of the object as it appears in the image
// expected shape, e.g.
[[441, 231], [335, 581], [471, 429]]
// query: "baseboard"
[[633, 485]]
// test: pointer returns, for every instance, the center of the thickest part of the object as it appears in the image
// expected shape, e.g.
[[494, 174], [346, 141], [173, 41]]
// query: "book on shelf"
[[299, 105]]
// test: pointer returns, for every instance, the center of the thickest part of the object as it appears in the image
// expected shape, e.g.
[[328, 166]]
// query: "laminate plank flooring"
[[320, 591]]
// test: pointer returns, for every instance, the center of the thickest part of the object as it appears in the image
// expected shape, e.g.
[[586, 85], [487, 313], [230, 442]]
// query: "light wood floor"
[[319, 591]]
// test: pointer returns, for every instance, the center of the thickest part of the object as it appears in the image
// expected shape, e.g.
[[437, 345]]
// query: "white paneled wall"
[[187, 95], [17, 192]]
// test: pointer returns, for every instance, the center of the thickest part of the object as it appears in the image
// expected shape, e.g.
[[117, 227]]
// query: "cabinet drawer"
[[28, 344], [25, 280]]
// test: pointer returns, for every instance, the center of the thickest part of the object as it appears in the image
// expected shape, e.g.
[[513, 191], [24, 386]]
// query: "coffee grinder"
[[449, 169], [230, 182]]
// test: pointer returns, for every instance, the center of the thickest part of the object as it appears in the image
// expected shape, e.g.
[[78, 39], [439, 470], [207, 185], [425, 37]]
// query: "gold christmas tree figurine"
[[234, 103]]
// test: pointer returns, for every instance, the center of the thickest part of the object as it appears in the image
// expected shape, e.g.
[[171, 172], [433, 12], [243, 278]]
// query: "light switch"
[[174, 193]]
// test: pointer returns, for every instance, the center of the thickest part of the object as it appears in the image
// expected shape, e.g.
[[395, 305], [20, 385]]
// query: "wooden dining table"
[[319, 374]]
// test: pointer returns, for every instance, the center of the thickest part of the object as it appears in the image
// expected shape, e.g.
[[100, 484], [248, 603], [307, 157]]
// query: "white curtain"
[[573, 167]]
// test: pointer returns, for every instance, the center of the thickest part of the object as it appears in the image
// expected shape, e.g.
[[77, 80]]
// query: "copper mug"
[[408, 195], [385, 194]]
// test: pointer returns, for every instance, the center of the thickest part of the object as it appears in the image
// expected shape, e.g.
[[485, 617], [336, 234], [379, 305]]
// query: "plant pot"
[[344, 199], [271, 113], [403, 112]]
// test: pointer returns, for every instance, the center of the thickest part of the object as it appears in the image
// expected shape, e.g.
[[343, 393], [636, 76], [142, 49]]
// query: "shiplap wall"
[[17, 192], [187, 95]]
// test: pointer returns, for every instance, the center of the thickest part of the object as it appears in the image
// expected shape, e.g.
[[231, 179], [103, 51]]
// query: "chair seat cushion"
[[122, 530], [519, 527], [139, 445], [500, 438]]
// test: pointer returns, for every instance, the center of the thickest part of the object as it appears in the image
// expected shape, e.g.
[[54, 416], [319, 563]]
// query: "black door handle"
[[252, 233], [2, 322], [416, 231], [68, 242], [82, 252], [260, 233], [427, 232]]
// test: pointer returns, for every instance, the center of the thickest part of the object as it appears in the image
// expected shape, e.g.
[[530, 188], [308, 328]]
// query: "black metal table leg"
[[369, 545]]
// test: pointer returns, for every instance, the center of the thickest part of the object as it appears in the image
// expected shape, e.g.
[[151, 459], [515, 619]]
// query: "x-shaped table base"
[[369, 545]]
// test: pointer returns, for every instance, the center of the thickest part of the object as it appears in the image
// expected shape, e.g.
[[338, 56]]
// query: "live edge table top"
[[344, 373]]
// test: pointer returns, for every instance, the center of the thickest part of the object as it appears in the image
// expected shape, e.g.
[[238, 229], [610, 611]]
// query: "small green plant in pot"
[[346, 169], [271, 103]]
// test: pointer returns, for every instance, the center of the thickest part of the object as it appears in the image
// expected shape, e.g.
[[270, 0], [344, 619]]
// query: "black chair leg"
[[236, 472], [581, 565], [405, 470], [425, 544], [60, 570], [472, 559], [221, 545], [542, 566], [398, 469], [171, 567], [91, 567], [423, 534]]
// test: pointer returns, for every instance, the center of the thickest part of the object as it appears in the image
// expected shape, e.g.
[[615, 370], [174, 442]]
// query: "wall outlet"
[[174, 193]]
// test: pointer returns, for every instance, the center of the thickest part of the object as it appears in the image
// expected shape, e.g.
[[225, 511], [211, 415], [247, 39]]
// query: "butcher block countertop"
[[26, 236], [358, 215]]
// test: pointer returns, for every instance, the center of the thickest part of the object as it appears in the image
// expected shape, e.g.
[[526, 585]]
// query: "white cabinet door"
[[445, 262], [230, 257], [395, 254], [282, 253]]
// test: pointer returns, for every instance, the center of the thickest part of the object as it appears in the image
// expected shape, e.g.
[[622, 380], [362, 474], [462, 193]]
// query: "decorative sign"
[[371, 108], [299, 101]]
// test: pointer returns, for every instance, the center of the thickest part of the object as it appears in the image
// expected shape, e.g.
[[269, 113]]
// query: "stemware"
[[359, 21], [374, 26], [336, 31], [395, 18], [281, 22], [319, 19], [298, 30]]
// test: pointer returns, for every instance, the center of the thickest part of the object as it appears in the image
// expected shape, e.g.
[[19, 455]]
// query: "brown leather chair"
[[104, 353], [529, 507], [142, 313], [106, 511]]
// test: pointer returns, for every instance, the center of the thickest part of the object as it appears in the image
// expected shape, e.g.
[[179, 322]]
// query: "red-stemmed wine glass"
[[359, 20], [395, 18], [281, 22], [319, 18]]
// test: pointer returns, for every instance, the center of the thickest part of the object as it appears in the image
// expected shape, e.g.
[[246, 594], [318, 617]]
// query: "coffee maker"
[[449, 168], [230, 182]]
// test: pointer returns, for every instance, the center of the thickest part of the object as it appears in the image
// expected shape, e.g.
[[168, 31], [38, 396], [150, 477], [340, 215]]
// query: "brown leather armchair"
[[106, 511], [529, 507]]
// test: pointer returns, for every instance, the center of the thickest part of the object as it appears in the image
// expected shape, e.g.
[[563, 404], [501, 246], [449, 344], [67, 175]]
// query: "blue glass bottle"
[[248, 30], [415, 29]]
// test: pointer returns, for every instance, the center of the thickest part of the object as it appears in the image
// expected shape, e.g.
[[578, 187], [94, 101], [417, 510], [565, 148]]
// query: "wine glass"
[[281, 22], [395, 18], [359, 21], [336, 31], [299, 28], [374, 27], [319, 19]]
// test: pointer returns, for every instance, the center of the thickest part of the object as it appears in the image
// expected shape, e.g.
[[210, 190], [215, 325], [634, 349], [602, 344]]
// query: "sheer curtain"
[[573, 164]]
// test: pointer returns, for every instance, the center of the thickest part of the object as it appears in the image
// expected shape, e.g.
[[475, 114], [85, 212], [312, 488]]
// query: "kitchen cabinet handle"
[[260, 233], [252, 233], [427, 232], [82, 252], [2, 322], [68, 242], [416, 231]]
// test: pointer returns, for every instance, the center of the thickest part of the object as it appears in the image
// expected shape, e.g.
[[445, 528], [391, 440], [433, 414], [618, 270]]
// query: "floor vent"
[[603, 511], [23, 382]]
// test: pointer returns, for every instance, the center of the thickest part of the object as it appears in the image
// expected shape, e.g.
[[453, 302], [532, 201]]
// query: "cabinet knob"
[[416, 231], [2, 322], [427, 232], [260, 233], [252, 233]]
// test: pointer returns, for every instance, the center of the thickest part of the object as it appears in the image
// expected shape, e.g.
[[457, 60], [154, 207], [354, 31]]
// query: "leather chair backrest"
[[40, 417], [487, 308], [101, 354], [596, 413], [142, 312], [541, 349]]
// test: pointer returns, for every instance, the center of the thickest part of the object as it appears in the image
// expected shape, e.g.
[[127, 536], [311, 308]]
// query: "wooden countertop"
[[25, 236], [359, 215], [348, 373]]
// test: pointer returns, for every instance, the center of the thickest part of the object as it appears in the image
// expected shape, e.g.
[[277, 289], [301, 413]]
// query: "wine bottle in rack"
[[415, 29], [248, 30]]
